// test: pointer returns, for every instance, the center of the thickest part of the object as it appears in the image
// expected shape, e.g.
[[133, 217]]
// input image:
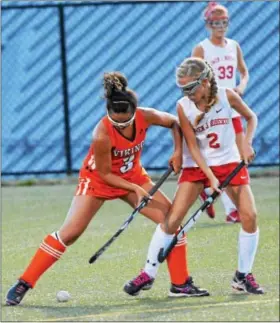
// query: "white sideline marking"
[[189, 307]]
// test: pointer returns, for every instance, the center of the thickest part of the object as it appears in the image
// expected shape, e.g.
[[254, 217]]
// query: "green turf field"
[[29, 213]]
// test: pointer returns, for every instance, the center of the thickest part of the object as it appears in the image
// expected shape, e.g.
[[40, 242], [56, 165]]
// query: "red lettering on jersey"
[[228, 58], [213, 122], [200, 128], [217, 122], [215, 60]]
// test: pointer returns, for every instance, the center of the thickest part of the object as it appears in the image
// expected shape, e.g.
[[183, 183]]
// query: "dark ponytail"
[[120, 99]]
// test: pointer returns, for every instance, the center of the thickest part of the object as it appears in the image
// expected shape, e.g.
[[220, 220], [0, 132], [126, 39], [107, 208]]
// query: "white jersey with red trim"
[[214, 132], [224, 62]]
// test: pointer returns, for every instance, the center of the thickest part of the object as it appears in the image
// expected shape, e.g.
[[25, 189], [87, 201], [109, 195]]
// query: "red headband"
[[209, 10], [217, 18]]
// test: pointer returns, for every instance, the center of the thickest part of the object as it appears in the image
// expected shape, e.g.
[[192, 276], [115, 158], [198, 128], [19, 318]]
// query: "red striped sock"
[[49, 252], [177, 262]]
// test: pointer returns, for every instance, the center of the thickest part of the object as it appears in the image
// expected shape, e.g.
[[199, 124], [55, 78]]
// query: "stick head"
[[93, 258]]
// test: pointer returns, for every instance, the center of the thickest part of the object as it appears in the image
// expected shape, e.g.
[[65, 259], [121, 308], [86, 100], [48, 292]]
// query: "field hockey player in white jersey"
[[205, 113], [226, 58]]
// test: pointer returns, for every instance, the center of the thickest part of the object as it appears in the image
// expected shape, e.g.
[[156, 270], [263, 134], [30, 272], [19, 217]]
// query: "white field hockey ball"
[[63, 296]]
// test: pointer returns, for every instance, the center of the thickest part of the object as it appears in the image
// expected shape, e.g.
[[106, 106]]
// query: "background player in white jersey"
[[205, 114], [226, 58]]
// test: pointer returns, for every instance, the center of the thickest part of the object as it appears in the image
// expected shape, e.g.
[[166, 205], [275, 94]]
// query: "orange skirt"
[[92, 185]]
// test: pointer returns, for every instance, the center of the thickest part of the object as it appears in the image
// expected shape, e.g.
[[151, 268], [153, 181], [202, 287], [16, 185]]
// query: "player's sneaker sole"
[[187, 295], [187, 290]]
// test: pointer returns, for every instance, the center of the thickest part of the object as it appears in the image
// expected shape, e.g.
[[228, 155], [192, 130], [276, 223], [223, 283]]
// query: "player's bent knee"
[[171, 226], [159, 218], [71, 240], [252, 216], [249, 221]]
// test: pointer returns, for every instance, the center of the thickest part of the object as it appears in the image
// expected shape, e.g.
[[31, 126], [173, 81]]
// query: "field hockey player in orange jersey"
[[111, 170]]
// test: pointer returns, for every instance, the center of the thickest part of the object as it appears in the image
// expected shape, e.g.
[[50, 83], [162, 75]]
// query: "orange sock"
[[177, 262], [49, 252]]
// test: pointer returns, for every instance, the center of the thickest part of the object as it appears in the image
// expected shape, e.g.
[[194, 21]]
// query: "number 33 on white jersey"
[[223, 60]]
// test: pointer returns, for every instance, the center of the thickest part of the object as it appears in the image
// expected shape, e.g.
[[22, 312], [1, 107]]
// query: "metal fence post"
[[67, 137]]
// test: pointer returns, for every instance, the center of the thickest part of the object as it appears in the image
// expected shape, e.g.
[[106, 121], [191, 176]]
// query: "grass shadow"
[[62, 312]]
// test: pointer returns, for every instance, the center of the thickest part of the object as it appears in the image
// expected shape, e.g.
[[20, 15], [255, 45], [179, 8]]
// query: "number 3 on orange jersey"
[[213, 142], [128, 164]]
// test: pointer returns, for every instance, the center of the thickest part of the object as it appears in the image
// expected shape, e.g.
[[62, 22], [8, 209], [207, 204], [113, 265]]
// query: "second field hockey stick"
[[164, 252], [143, 203]]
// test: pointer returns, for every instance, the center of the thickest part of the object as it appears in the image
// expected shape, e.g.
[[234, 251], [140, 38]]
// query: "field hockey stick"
[[164, 252], [142, 204]]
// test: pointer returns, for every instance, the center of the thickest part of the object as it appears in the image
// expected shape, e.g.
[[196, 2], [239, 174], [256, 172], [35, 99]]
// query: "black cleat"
[[246, 283], [17, 292], [142, 282], [187, 290]]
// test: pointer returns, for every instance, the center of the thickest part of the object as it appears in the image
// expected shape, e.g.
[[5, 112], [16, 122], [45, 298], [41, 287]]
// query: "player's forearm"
[[244, 79], [198, 158], [252, 123], [177, 137]]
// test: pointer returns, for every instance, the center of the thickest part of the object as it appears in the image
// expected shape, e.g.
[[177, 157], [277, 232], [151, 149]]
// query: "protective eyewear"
[[222, 23], [121, 124], [191, 87]]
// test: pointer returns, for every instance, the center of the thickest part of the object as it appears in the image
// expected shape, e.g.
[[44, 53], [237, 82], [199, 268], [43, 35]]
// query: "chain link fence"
[[54, 56]]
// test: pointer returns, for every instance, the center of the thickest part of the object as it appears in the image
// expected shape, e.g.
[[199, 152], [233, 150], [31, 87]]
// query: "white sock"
[[248, 245], [159, 240], [227, 202]]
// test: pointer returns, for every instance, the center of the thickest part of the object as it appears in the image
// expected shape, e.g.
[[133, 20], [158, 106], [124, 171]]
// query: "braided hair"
[[213, 98], [120, 99]]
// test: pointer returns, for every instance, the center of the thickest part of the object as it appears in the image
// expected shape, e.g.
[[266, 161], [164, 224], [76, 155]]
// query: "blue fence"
[[54, 57]]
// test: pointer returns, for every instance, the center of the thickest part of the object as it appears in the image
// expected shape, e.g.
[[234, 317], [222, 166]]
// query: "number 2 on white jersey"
[[213, 140], [128, 164]]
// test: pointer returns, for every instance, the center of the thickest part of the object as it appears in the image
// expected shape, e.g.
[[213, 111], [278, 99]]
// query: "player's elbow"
[[247, 73], [252, 118], [244, 73], [175, 124], [255, 118]]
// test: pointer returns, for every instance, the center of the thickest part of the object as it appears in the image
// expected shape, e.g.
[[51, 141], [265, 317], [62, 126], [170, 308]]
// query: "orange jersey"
[[125, 156]]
